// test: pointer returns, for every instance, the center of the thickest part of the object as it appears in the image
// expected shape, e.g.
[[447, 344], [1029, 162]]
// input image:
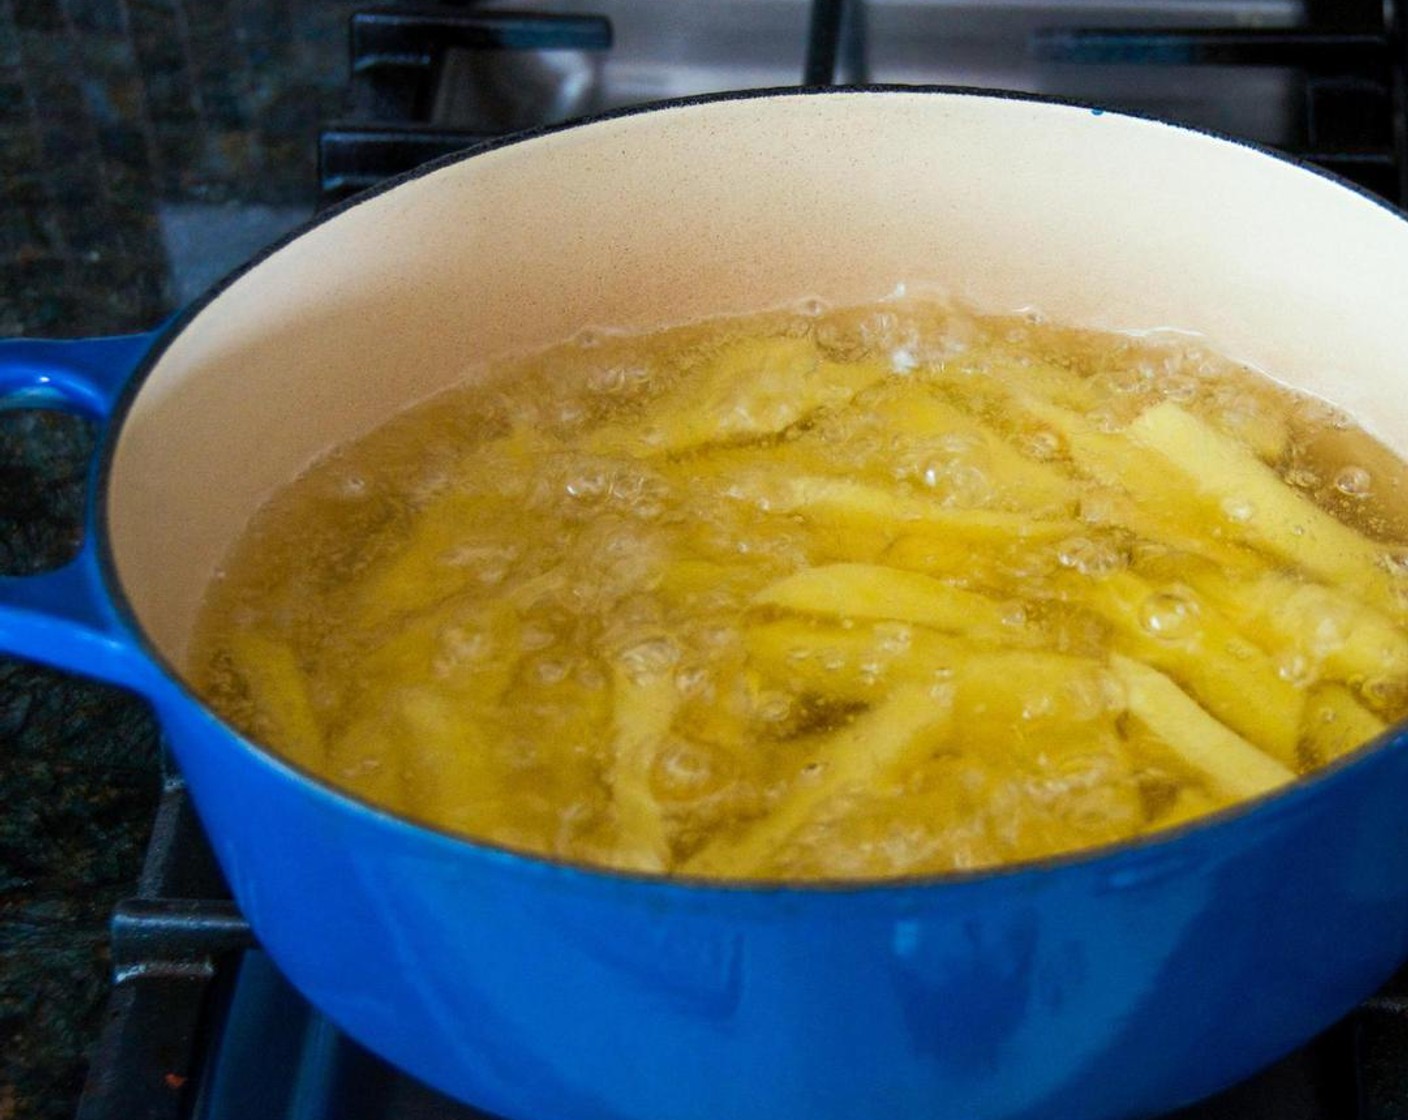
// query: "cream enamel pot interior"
[[1112, 985]]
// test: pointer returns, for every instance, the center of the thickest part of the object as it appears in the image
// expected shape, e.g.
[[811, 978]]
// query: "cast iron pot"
[[1118, 983]]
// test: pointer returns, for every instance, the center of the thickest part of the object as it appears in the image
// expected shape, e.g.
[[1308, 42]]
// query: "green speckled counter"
[[146, 147]]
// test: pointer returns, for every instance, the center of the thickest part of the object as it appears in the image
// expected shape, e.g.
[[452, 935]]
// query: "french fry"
[[1234, 680], [856, 519], [986, 370], [1280, 520], [1019, 483], [1162, 508], [643, 712], [1336, 723], [693, 579], [1228, 761], [1189, 804], [365, 757], [1336, 634], [446, 759], [901, 728], [279, 690], [986, 544], [470, 649], [753, 387], [872, 591], [446, 549], [1005, 695], [856, 665]]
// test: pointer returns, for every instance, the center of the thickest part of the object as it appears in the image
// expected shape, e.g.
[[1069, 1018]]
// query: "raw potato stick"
[[1230, 677], [904, 724], [1161, 510], [755, 387], [1336, 723], [1337, 635], [872, 591], [1278, 518], [279, 690], [819, 658], [1231, 763], [643, 713]]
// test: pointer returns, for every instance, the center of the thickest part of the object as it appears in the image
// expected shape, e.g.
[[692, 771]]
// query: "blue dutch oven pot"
[[1112, 984]]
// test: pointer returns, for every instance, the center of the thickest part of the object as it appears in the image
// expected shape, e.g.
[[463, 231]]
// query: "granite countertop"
[[146, 147]]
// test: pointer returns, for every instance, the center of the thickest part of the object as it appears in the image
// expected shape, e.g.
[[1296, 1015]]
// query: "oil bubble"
[[1091, 556], [649, 658], [1168, 615], [550, 670], [1354, 482], [1239, 509], [587, 486], [1296, 669], [959, 484], [1043, 445], [773, 707]]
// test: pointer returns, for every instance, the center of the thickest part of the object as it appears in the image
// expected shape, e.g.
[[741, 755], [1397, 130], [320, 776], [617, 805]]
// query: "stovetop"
[[201, 1025]]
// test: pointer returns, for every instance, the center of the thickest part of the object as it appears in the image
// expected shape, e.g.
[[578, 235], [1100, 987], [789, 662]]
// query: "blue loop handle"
[[65, 617]]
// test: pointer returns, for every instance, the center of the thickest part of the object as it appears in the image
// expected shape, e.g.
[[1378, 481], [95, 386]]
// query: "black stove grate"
[[407, 70], [408, 62]]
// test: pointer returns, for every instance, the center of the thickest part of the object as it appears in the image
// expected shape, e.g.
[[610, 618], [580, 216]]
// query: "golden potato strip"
[[753, 387], [1192, 642], [446, 760], [641, 718], [1334, 633], [850, 665], [1277, 517], [1163, 510], [872, 591], [1264, 431], [1336, 723], [985, 545], [1230, 763], [444, 554], [470, 648], [1190, 804], [899, 730], [694, 580], [279, 690], [997, 691], [1018, 482], [986, 368], [366, 758], [857, 520]]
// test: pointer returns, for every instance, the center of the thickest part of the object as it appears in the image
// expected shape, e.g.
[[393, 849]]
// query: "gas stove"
[[201, 1024], [1320, 79]]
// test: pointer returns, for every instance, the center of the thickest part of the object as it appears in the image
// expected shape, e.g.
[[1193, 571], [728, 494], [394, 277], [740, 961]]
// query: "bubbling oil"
[[857, 593]]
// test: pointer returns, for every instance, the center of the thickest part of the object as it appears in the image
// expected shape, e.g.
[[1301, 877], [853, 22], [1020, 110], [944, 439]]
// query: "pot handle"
[[65, 617]]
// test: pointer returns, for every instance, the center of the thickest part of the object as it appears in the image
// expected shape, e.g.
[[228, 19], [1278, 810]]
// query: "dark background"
[[146, 147]]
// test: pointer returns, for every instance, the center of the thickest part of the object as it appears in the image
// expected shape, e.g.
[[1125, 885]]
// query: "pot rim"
[[1114, 855]]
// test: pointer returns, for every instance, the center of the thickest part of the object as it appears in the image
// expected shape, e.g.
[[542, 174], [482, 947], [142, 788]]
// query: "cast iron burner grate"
[[431, 79]]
